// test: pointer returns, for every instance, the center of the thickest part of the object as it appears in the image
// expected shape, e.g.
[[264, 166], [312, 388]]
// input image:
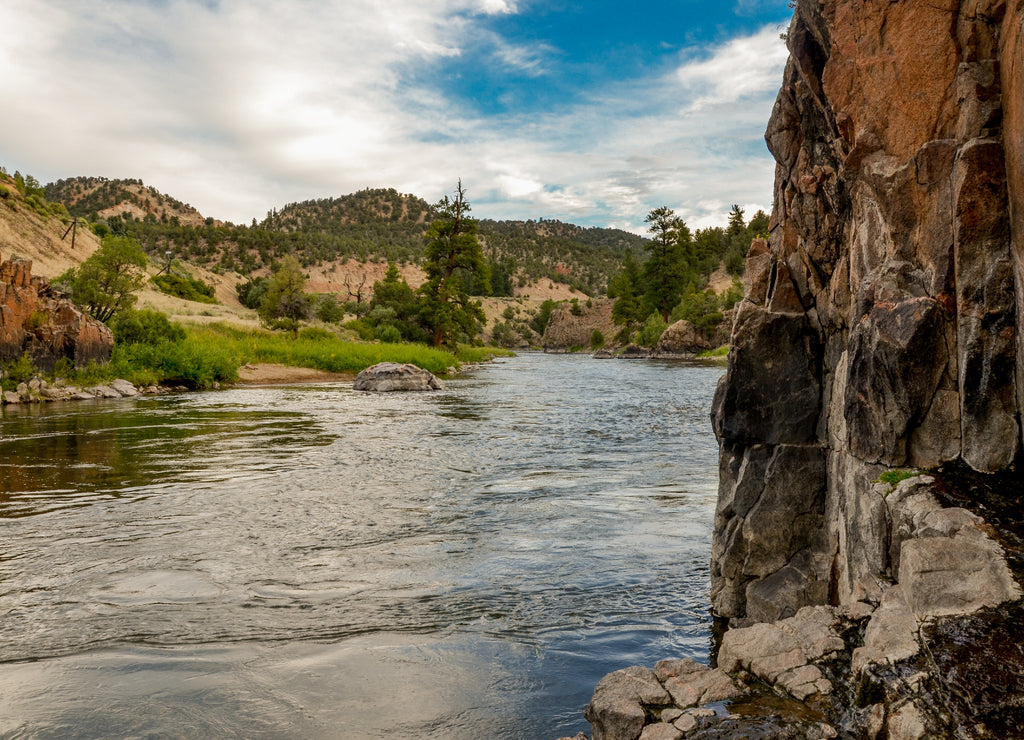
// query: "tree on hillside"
[[453, 259], [626, 288], [667, 270], [106, 283], [285, 304], [395, 304]]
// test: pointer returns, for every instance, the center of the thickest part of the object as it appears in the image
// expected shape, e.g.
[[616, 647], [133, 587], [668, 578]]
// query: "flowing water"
[[312, 562]]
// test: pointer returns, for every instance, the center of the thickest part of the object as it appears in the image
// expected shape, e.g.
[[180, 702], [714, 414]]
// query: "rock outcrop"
[[881, 329], [385, 377], [573, 325], [47, 326], [881, 323]]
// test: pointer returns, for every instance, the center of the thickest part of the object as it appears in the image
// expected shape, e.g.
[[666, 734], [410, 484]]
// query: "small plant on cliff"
[[107, 282], [894, 476]]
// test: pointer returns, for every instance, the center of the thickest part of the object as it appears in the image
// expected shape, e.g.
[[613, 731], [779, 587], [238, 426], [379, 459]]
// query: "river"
[[312, 562]]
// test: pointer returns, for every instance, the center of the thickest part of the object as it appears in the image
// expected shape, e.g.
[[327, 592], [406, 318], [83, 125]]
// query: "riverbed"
[[309, 561]]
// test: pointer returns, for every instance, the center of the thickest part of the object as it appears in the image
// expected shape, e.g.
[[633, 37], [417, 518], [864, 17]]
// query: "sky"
[[592, 112]]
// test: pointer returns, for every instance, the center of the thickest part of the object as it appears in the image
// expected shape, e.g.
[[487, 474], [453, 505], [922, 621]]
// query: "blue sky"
[[589, 112]]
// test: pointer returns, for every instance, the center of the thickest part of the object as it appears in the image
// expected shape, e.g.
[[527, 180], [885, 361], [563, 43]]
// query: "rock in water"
[[393, 376]]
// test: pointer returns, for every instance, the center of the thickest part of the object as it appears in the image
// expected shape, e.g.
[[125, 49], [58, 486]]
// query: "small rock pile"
[[38, 390]]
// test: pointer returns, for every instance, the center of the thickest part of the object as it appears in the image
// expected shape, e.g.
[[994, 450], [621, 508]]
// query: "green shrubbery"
[[188, 288]]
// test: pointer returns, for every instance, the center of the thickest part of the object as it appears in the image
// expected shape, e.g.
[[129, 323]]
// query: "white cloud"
[[246, 105]]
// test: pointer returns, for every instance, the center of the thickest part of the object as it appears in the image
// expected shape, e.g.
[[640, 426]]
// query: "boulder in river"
[[393, 376]]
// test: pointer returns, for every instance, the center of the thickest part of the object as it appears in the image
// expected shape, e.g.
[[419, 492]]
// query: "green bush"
[[251, 292], [145, 326], [361, 328], [188, 288], [16, 372], [316, 334], [387, 333], [596, 339], [652, 330]]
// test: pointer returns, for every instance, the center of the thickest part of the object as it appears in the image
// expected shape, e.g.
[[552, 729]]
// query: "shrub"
[[388, 333], [145, 326], [652, 330], [251, 292], [316, 334], [188, 288], [17, 372], [596, 339]]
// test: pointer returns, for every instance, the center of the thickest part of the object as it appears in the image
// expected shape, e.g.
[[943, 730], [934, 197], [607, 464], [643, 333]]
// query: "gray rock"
[[897, 356], [616, 711], [661, 731], [907, 723], [104, 391], [769, 397], [891, 635], [124, 388], [955, 575], [386, 377], [701, 687]]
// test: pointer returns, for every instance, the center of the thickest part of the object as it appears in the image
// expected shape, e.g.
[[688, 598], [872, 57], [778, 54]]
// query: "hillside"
[[97, 198], [329, 235]]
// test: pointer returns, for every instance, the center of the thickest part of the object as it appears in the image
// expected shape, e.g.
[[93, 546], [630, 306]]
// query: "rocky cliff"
[[881, 324], [869, 538], [45, 325]]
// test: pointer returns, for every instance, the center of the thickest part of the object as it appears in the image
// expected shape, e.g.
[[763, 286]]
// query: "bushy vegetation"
[[145, 327], [670, 282], [106, 283], [189, 288]]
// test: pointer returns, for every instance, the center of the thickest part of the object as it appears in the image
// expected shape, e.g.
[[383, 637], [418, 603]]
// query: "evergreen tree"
[[667, 270], [452, 252]]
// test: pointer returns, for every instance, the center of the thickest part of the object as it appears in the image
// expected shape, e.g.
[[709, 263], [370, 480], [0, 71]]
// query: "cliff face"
[[881, 324], [46, 326]]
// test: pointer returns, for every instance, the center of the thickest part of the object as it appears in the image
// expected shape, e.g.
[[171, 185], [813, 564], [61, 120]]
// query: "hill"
[[329, 234], [98, 198]]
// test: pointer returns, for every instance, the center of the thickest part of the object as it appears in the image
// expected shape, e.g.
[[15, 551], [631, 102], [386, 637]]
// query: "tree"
[[285, 304], [106, 283], [625, 288], [452, 259], [667, 270], [395, 303]]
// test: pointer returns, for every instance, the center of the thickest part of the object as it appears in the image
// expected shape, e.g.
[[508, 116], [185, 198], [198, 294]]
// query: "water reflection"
[[486, 553]]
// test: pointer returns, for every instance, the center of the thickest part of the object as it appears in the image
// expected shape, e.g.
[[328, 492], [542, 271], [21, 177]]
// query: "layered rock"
[[880, 323], [47, 326]]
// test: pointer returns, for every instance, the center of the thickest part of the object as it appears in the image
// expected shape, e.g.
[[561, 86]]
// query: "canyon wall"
[[881, 324]]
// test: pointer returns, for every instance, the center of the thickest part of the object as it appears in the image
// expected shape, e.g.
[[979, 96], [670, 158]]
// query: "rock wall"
[[880, 327], [47, 326]]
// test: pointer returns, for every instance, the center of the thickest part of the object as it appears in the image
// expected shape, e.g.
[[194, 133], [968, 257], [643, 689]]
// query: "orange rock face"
[[45, 326], [895, 265]]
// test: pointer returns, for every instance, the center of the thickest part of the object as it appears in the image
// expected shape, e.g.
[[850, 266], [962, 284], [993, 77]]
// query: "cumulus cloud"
[[240, 106]]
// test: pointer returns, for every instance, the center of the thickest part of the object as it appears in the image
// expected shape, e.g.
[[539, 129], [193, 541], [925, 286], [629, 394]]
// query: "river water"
[[312, 562]]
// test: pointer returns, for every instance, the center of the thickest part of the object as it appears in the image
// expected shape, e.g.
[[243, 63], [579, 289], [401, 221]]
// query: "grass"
[[895, 475], [213, 353], [716, 353]]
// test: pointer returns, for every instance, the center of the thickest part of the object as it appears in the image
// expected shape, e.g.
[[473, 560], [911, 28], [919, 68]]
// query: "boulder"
[[385, 377], [616, 711], [681, 338]]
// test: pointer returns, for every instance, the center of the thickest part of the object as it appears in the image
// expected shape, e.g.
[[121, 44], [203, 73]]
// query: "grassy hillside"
[[372, 225]]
